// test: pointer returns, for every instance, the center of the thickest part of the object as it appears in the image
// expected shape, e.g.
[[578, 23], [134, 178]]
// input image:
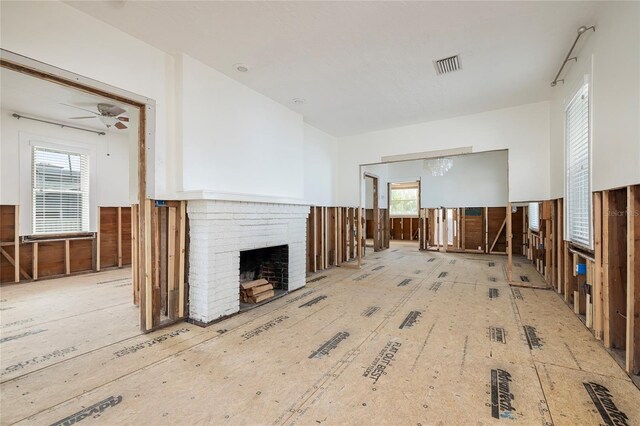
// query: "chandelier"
[[438, 166]]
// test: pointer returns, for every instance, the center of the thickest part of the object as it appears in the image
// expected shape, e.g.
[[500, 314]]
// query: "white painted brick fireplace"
[[219, 231]]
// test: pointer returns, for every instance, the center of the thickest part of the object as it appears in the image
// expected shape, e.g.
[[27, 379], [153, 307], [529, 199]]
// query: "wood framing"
[[550, 244], [360, 244], [559, 232], [134, 254], [615, 265], [496, 220], [16, 244], [597, 282], [606, 297], [463, 227], [632, 361], [34, 271], [568, 274], [119, 242], [509, 243], [377, 233], [311, 240], [58, 255], [605, 293], [339, 236], [495, 240]]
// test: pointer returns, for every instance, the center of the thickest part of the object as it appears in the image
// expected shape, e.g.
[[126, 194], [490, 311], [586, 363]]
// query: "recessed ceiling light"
[[298, 101], [241, 67]]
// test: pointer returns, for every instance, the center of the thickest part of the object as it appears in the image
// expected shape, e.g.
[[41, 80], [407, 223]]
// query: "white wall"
[[245, 121], [229, 138], [610, 57], [59, 35], [235, 140], [366, 195], [110, 178], [523, 130], [475, 180], [319, 172]]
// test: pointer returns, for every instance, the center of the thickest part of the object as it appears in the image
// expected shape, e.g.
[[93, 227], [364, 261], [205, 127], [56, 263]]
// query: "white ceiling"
[[364, 66], [34, 97]]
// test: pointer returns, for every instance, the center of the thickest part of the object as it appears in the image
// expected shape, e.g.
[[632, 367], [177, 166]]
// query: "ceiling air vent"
[[447, 65]]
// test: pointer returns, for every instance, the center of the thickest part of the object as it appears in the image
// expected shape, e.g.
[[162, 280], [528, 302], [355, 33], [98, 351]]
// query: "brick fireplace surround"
[[219, 231]]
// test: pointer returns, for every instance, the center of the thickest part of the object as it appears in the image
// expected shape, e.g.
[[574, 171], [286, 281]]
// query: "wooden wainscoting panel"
[[615, 264], [496, 223], [81, 255], [126, 235], [108, 237], [473, 228], [51, 258]]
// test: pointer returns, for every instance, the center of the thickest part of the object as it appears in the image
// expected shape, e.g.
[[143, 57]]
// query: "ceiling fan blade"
[[73, 106], [81, 118], [124, 119], [116, 110], [111, 110], [120, 126]]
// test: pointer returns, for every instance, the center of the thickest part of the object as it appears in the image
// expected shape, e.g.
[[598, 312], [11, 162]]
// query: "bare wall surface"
[[235, 140], [189, 151], [109, 174], [608, 58], [523, 130], [474, 180], [60, 35], [212, 133], [320, 150], [366, 193]]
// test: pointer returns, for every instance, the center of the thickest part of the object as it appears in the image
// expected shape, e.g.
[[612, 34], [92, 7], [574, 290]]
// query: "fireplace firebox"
[[269, 263]]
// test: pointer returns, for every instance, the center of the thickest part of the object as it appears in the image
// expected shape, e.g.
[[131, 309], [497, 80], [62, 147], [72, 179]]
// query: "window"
[[60, 191], [534, 216], [578, 191], [404, 199]]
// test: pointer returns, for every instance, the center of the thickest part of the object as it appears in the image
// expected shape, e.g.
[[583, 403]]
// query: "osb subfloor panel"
[[45, 322], [525, 275], [412, 338]]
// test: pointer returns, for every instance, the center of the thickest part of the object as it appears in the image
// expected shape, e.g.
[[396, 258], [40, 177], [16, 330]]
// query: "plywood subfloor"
[[412, 338], [45, 322], [525, 275]]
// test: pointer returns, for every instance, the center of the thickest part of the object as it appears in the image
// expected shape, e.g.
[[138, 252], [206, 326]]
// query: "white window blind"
[[578, 214], [60, 184], [534, 216]]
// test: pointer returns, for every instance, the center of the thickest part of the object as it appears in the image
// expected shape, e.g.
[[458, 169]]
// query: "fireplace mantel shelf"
[[241, 197]]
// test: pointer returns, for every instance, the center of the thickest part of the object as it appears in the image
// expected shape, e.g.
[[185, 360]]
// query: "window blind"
[[578, 214], [534, 216], [60, 191]]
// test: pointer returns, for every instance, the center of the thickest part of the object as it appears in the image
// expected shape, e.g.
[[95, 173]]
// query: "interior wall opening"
[[453, 203]]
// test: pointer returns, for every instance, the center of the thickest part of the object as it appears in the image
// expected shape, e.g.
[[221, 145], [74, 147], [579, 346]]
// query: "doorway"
[[375, 218], [96, 230]]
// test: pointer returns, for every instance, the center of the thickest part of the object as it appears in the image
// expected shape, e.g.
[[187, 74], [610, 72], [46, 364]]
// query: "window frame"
[[405, 185], [27, 141], [575, 92], [84, 193]]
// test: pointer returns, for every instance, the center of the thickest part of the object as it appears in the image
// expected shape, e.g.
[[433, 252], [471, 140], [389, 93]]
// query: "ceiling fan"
[[108, 114]]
